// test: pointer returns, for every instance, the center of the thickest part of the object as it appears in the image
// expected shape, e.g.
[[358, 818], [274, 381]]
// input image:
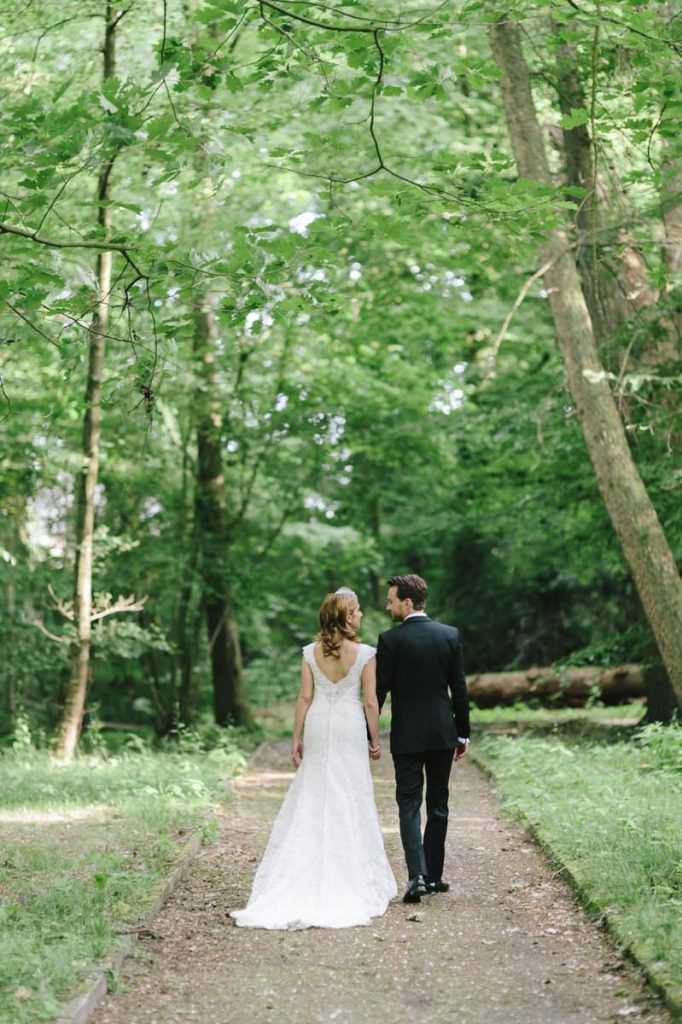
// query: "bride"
[[325, 864]]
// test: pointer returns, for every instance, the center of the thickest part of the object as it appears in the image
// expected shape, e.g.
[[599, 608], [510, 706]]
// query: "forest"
[[300, 295]]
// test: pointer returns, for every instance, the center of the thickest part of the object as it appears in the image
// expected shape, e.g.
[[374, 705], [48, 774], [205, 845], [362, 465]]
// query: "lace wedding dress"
[[325, 864]]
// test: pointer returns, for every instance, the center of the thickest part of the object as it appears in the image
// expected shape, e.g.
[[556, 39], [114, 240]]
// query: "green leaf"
[[160, 126], [577, 117]]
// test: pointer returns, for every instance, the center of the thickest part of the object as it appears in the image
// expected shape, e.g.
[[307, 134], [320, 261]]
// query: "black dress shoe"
[[439, 886], [415, 890]]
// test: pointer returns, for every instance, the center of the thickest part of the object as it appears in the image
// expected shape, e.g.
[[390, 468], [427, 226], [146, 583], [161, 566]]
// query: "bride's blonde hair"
[[335, 627]]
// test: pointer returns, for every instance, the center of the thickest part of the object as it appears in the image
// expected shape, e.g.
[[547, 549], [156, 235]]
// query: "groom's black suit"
[[420, 663]]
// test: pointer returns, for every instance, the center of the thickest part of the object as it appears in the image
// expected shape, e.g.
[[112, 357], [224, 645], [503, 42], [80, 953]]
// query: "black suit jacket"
[[420, 663]]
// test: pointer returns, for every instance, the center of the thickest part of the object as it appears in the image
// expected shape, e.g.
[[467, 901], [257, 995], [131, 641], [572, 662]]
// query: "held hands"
[[374, 751], [297, 752]]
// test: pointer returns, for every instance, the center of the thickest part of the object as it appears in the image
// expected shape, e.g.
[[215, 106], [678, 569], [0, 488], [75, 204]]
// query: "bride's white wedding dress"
[[325, 864]]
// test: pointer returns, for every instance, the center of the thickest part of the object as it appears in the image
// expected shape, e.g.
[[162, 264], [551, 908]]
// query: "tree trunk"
[[632, 514], [662, 702], [188, 655], [671, 212], [11, 703], [229, 701], [186, 637], [671, 191], [672, 216], [375, 579], [612, 292], [661, 705], [184, 631], [570, 687], [72, 715]]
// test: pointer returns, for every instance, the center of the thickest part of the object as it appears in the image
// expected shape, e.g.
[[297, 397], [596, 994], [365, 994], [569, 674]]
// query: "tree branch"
[[59, 193], [372, 106], [38, 330], [120, 17], [258, 461], [289, 36], [52, 636], [274, 534], [162, 54], [52, 243], [359, 17], [519, 299], [59, 606], [630, 28], [56, 25], [390, 25], [433, 190], [123, 604], [316, 24], [6, 399]]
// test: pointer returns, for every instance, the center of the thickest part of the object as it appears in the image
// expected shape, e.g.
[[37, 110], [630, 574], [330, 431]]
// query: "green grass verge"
[[611, 814], [525, 715], [84, 850]]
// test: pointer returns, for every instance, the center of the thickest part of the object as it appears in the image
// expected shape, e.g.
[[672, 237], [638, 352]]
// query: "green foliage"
[[630, 645], [370, 424], [21, 740], [663, 747], [85, 847]]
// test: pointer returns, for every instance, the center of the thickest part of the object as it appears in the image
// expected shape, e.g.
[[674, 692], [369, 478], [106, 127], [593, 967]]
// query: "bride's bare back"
[[336, 669]]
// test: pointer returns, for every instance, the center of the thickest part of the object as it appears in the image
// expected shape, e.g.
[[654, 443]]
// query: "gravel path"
[[507, 944]]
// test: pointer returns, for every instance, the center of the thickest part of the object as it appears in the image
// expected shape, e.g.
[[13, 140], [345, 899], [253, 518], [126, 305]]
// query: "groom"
[[420, 663]]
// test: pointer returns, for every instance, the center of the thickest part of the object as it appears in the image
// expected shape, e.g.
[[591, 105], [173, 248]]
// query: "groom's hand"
[[374, 752], [461, 749]]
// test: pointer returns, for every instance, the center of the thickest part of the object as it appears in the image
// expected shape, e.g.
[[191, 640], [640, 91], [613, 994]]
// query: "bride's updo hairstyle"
[[335, 627]]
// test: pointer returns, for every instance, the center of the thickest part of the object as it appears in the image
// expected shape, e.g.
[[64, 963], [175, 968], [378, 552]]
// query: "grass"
[[522, 716], [611, 814], [84, 850]]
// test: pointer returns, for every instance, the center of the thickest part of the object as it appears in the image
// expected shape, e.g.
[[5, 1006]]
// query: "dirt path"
[[507, 944]]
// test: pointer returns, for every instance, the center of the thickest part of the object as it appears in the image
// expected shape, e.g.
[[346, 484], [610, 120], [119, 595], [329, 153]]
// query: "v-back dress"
[[325, 865]]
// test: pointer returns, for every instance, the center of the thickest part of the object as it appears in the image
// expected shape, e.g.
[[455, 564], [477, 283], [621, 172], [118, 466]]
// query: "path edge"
[[599, 914], [80, 1008]]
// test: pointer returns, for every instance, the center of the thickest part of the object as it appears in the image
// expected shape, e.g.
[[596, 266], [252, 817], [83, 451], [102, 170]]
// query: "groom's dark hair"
[[410, 586]]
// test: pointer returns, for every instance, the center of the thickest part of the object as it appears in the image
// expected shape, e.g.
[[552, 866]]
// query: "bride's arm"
[[369, 696], [305, 699]]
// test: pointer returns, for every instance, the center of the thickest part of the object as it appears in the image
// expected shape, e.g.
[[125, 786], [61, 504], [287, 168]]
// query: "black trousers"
[[423, 856]]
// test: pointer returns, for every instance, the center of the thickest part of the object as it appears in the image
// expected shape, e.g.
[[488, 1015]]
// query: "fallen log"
[[567, 687]]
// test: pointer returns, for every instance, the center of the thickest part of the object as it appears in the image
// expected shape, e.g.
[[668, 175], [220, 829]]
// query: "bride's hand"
[[374, 752], [297, 753]]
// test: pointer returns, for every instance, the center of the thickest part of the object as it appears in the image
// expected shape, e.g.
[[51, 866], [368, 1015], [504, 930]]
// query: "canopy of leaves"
[[338, 177]]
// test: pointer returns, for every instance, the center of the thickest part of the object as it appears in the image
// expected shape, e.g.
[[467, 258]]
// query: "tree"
[[229, 700], [74, 704], [614, 291], [632, 513]]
